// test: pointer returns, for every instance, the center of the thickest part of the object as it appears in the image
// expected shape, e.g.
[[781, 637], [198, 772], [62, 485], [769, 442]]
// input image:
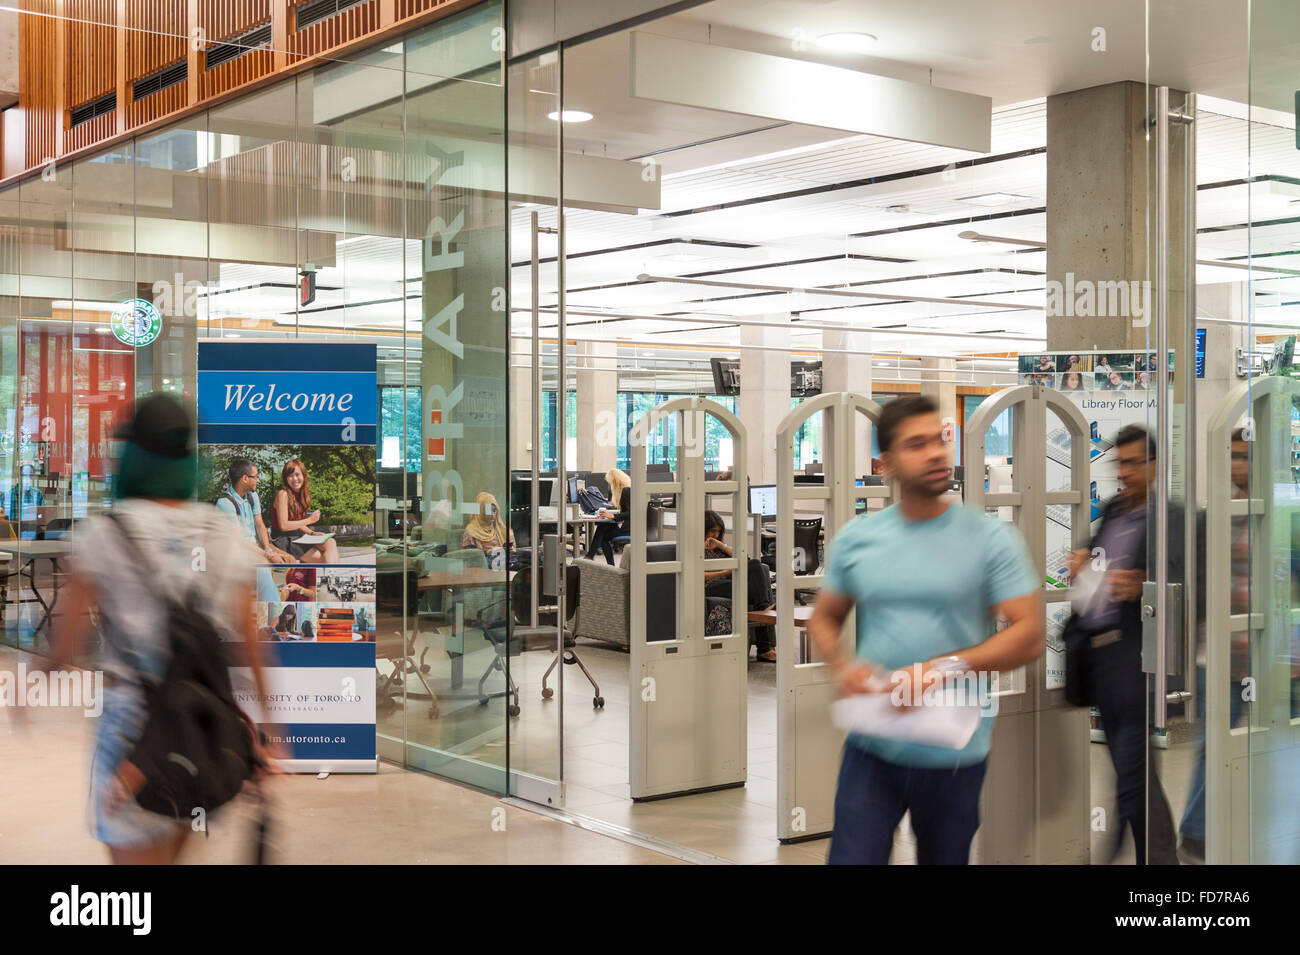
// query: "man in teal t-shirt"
[[927, 578]]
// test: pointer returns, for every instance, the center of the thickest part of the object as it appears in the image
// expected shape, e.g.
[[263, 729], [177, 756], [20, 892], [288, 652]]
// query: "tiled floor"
[[399, 816], [394, 816]]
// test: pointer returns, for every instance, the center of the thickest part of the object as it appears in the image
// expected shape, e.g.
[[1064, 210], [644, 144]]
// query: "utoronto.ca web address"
[[307, 739]]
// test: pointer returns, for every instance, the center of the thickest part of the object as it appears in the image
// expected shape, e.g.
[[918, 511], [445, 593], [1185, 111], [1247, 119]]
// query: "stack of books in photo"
[[335, 624]]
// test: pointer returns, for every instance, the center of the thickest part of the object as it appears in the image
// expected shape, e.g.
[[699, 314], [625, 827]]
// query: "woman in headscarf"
[[486, 530]]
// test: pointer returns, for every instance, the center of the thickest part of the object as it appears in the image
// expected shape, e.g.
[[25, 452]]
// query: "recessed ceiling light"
[[847, 42], [993, 199], [102, 330], [570, 116]]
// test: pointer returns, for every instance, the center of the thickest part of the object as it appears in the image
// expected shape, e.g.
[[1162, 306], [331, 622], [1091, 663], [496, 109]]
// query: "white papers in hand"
[[874, 714]]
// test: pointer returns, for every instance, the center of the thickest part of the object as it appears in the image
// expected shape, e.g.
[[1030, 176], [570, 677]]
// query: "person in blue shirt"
[[240, 501], [927, 578]]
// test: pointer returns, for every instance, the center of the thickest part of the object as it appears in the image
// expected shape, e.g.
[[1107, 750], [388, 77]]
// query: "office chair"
[[807, 533], [569, 656], [654, 527]]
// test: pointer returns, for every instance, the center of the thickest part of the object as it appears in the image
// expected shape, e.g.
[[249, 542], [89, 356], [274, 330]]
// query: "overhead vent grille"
[[160, 80], [236, 46], [317, 10], [95, 108]]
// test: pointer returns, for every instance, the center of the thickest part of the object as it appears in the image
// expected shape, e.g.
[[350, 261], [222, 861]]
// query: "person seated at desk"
[[26, 501], [486, 530], [620, 489], [717, 583]]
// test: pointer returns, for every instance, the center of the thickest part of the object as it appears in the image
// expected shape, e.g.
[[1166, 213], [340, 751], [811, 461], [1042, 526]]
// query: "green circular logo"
[[136, 322]]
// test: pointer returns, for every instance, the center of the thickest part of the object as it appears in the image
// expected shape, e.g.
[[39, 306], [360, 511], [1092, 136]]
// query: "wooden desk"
[[758, 618], [457, 581]]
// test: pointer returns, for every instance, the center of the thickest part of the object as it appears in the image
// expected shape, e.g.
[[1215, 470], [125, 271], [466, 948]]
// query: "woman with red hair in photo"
[[292, 516]]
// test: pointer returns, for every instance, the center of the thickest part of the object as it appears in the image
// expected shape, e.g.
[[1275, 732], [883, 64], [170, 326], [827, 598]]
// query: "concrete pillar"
[[597, 400], [939, 382], [1101, 179], [521, 404], [764, 393], [1227, 300], [846, 366]]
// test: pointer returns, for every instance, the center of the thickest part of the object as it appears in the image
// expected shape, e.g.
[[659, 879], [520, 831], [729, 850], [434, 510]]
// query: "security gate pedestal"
[[1034, 808], [687, 693]]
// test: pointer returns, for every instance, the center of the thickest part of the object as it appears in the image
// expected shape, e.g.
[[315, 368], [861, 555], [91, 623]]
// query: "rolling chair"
[[572, 595]]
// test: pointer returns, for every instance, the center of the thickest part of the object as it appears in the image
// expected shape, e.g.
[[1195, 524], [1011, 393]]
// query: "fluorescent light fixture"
[[847, 42], [571, 116], [993, 199], [102, 330], [232, 334]]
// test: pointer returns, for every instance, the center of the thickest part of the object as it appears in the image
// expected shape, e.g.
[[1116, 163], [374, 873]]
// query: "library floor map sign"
[[301, 418], [1111, 389]]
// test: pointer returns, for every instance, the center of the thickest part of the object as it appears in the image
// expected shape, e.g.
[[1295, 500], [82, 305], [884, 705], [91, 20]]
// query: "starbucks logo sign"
[[136, 323]]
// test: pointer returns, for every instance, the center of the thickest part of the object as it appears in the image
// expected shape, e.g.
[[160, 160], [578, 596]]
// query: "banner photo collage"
[[1112, 389], [287, 437]]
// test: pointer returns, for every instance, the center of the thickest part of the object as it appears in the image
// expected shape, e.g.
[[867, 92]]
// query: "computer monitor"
[[873, 480], [762, 500], [810, 479], [573, 490], [393, 484], [814, 467]]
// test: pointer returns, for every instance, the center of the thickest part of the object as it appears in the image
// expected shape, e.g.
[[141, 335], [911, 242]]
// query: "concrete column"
[[1227, 300], [597, 400], [1101, 178], [939, 382], [521, 404], [846, 366], [764, 393]]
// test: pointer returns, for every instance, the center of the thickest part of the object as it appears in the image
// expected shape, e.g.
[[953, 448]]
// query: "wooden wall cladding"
[[92, 49], [87, 37], [38, 83], [335, 31], [409, 8], [220, 20], [157, 35]]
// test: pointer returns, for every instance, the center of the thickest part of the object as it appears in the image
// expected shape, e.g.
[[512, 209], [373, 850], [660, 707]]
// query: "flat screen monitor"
[[762, 500], [393, 484], [873, 480], [573, 490]]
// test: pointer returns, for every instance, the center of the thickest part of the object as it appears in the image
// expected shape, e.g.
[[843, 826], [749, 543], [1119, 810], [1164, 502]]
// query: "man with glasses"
[[1112, 623], [240, 502], [927, 577]]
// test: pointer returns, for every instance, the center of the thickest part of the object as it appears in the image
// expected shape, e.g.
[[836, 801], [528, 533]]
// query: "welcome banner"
[[301, 419]]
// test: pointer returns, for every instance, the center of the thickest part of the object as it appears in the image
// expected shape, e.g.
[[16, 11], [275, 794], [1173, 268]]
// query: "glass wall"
[[362, 201]]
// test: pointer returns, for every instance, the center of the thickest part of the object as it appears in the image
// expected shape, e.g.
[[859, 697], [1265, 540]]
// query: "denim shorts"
[[127, 826]]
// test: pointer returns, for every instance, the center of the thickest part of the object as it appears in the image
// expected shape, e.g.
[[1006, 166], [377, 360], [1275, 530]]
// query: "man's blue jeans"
[[873, 794]]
